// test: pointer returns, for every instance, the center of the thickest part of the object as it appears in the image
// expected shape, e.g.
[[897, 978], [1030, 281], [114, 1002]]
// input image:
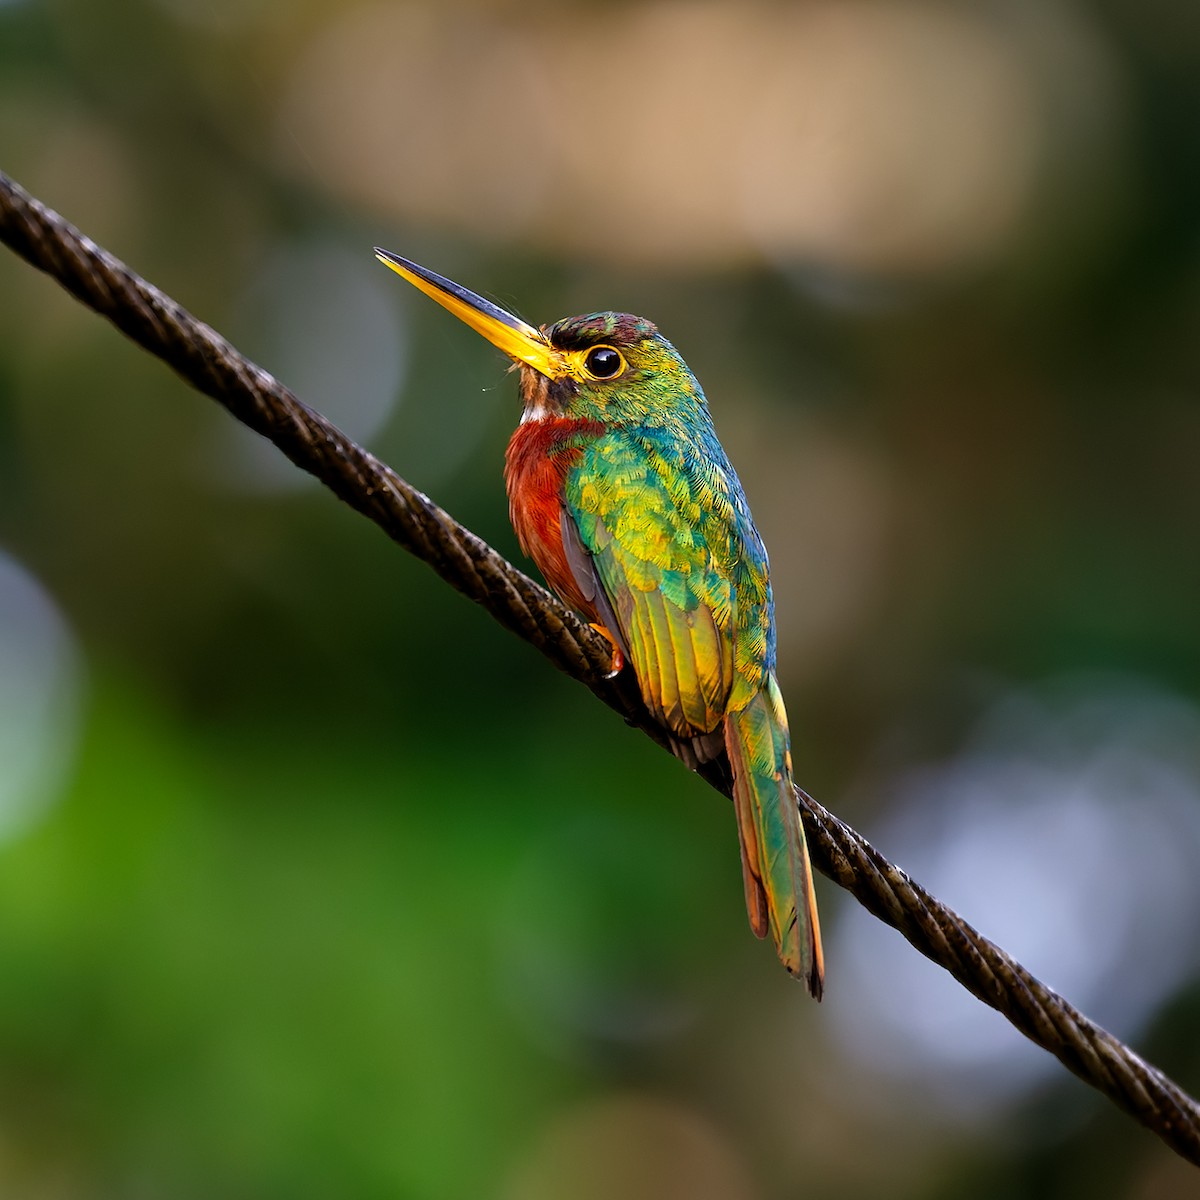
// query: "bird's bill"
[[517, 339]]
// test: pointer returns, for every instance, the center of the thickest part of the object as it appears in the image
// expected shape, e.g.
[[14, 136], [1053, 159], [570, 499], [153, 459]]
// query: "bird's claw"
[[618, 657]]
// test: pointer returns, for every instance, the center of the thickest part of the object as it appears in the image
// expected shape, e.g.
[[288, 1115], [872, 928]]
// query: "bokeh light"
[[40, 686], [874, 138], [316, 315], [1068, 827]]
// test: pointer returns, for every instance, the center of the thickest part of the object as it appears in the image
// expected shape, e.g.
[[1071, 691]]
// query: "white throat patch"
[[537, 411]]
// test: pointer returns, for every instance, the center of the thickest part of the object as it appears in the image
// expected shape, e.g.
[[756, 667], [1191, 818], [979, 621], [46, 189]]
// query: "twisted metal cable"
[[209, 363]]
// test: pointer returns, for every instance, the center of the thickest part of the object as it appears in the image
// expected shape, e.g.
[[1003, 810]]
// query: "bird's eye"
[[603, 362]]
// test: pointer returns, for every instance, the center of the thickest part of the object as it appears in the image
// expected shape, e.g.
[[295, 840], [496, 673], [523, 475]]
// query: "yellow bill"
[[512, 335]]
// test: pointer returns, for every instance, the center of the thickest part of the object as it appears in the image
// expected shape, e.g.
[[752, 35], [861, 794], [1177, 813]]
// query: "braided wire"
[[209, 363]]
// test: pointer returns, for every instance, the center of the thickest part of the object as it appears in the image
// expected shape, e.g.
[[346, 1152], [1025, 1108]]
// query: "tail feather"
[[775, 867]]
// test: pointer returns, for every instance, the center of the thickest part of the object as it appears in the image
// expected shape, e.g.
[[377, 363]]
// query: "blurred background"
[[315, 883]]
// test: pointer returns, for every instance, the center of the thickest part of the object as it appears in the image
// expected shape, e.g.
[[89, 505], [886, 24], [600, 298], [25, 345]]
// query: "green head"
[[609, 367]]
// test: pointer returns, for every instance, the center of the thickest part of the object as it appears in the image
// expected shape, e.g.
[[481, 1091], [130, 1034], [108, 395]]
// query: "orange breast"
[[535, 466]]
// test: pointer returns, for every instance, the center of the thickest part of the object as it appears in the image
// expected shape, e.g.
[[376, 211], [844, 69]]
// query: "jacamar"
[[621, 493]]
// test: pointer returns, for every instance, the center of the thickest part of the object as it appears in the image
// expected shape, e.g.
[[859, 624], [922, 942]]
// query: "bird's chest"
[[539, 457]]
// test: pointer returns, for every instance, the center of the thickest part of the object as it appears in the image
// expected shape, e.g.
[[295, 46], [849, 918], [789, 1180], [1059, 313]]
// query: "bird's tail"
[[775, 866]]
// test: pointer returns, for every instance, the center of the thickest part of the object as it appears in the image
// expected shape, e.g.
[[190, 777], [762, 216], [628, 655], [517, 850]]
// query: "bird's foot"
[[618, 658]]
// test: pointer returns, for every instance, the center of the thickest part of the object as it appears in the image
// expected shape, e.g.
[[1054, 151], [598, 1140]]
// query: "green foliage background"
[[344, 891]]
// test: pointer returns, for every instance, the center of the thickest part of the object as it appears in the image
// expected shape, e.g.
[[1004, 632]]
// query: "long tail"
[[775, 866]]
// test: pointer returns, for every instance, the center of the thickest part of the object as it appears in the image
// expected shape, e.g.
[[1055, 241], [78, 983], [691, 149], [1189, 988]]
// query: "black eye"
[[604, 362]]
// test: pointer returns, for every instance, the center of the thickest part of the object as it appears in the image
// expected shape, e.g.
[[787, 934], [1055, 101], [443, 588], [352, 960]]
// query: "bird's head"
[[609, 367]]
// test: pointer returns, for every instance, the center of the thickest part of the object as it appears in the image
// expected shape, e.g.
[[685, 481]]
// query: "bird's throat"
[[543, 399]]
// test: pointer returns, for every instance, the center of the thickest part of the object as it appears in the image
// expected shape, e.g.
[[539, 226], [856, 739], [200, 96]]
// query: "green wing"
[[666, 564], [660, 541]]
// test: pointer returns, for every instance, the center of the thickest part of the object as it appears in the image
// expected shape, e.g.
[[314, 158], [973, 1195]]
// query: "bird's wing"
[[587, 578], [631, 546]]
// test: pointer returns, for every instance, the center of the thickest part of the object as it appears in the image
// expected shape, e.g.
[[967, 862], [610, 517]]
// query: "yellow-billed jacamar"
[[621, 493]]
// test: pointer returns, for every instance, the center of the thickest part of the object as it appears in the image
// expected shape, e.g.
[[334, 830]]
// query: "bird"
[[621, 493]]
